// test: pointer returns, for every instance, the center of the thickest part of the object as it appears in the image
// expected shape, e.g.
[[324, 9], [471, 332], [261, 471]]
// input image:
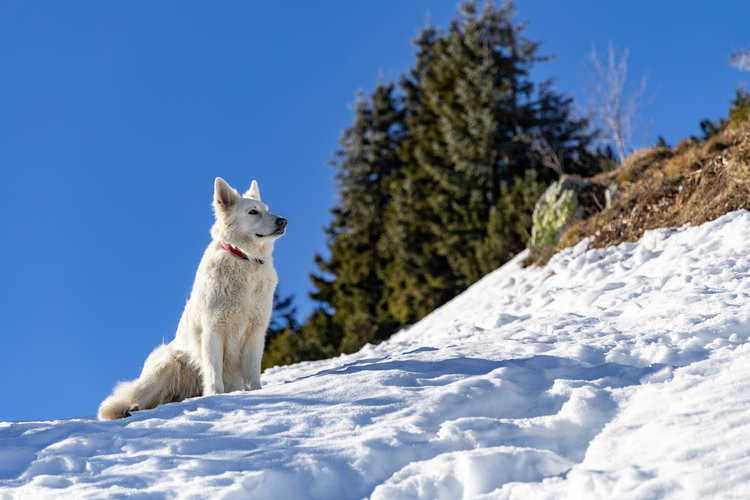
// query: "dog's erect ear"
[[224, 195], [253, 192]]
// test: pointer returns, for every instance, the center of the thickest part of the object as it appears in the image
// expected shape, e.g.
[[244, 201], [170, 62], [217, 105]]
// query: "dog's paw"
[[132, 408], [213, 390]]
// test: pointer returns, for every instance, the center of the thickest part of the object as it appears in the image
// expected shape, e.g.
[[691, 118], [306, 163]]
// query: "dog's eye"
[[253, 212]]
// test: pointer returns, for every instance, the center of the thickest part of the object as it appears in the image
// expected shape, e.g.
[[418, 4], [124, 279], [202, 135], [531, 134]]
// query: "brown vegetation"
[[694, 182]]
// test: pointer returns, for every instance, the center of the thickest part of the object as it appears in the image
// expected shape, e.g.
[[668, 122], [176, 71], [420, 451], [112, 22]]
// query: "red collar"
[[233, 250]]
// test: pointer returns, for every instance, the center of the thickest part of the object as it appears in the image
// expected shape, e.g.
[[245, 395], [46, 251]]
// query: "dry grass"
[[667, 187]]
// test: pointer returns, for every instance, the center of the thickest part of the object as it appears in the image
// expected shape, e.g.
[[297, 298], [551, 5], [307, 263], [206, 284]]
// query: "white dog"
[[219, 341]]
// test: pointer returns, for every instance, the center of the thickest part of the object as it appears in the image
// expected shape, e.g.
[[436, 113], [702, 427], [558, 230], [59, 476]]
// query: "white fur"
[[219, 342]]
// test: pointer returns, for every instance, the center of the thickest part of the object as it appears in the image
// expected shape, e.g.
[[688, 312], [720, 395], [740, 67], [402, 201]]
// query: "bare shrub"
[[615, 112]]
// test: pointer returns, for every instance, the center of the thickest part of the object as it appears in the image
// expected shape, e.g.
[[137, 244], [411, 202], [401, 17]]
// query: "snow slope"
[[615, 373]]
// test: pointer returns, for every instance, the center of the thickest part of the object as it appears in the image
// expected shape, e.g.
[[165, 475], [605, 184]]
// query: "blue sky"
[[115, 118]]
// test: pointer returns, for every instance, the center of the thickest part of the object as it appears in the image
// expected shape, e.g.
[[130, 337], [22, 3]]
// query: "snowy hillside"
[[616, 373]]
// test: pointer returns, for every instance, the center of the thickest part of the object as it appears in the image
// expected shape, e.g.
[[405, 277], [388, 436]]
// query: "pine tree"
[[365, 167], [317, 338], [418, 276], [437, 181], [471, 111], [284, 316], [350, 283]]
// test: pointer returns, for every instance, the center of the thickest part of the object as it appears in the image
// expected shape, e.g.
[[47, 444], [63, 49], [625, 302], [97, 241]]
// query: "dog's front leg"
[[252, 354], [212, 352]]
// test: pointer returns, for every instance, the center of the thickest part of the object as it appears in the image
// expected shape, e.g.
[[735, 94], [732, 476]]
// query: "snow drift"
[[614, 373]]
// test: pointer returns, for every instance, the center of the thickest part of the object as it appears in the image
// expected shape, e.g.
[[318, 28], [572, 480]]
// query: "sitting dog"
[[219, 342]]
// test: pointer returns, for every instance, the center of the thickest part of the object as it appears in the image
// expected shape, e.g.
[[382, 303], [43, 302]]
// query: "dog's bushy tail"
[[119, 404], [165, 379]]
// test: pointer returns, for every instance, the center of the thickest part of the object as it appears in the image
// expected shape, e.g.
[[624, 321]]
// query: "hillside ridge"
[[692, 183]]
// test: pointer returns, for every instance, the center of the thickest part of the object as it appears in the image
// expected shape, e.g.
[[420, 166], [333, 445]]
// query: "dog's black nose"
[[281, 222]]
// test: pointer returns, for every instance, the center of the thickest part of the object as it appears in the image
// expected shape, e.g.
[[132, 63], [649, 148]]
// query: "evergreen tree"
[[437, 182], [284, 314], [471, 110], [418, 276], [317, 338], [364, 167], [283, 318], [350, 284]]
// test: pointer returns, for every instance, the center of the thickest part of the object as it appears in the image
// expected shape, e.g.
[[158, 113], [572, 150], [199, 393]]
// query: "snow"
[[614, 373]]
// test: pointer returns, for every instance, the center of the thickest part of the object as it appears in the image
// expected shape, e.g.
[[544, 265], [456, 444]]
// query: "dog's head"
[[244, 221]]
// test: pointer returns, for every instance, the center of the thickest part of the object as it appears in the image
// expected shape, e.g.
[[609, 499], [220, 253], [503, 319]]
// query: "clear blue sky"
[[115, 118]]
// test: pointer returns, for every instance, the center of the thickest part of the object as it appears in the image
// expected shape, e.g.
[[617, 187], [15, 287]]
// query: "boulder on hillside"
[[565, 201]]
